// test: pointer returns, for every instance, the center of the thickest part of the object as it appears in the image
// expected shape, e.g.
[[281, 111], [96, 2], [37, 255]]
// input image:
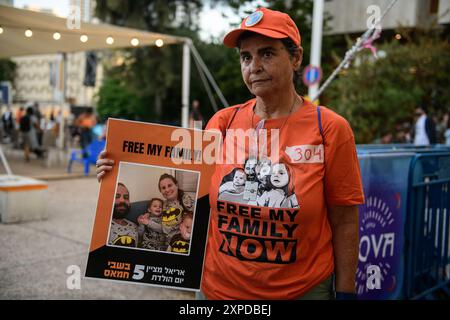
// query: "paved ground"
[[34, 256], [47, 169]]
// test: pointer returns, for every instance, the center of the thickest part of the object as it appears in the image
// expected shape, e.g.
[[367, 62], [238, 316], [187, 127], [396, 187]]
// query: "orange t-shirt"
[[269, 235]]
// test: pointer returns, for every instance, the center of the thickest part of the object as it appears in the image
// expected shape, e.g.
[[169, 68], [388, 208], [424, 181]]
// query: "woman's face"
[[266, 65], [168, 189], [280, 175]]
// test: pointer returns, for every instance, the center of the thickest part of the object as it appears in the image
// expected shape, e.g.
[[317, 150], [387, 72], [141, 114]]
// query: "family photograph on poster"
[[153, 208], [152, 215]]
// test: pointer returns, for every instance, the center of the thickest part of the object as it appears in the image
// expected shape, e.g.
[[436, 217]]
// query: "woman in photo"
[[176, 202]]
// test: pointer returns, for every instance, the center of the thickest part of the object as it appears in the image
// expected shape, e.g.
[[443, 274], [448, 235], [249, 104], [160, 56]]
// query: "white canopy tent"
[[16, 21]]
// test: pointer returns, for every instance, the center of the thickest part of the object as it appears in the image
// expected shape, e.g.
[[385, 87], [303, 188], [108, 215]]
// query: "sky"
[[212, 23], [59, 7]]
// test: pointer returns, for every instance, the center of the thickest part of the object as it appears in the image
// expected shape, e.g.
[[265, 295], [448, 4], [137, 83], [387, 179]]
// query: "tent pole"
[[5, 162], [61, 132], [185, 85]]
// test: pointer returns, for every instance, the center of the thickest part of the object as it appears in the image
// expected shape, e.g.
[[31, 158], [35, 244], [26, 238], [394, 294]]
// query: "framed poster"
[[152, 214]]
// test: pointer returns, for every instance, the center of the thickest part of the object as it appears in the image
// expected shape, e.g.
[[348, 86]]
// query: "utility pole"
[[185, 86], [316, 43]]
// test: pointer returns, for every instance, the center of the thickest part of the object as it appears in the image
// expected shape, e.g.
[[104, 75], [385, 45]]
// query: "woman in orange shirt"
[[303, 230]]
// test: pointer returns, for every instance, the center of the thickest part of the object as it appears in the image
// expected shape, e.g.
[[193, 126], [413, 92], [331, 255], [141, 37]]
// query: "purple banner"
[[381, 226]]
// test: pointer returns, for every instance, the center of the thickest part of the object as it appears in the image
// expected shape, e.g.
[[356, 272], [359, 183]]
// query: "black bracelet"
[[345, 296]]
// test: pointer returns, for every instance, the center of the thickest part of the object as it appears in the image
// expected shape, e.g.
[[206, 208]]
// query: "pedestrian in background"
[[86, 122], [28, 125], [8, 123], [424, 129], [447, 130], [195, 116]]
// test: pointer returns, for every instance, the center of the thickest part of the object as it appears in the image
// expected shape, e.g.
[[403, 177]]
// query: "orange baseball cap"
[[269, 23]]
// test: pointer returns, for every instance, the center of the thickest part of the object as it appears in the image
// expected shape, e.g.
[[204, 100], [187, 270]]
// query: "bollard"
[[22, 199]]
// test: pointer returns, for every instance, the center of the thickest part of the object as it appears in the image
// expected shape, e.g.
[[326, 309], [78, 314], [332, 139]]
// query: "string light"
[[120, 61], [134, 42], [109, 40], [1, 30], [398, 36]]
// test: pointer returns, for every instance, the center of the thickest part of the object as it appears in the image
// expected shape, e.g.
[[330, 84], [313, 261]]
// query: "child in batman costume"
[[150, 227], [179, 243]]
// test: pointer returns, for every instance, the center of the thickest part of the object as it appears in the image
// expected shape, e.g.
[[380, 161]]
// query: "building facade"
[[57, 78]]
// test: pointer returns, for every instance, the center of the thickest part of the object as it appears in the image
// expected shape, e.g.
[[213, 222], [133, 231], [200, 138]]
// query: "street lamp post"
[[316, 43], [185, 84]]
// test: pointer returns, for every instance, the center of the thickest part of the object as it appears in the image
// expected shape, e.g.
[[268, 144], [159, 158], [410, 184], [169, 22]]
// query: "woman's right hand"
[[103, 165]]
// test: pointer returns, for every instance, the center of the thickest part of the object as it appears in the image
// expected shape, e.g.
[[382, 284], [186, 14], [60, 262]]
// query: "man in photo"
[[122, 232]]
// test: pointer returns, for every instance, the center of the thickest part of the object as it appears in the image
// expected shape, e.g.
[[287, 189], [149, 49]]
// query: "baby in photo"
[[180, 242], [237, 184]]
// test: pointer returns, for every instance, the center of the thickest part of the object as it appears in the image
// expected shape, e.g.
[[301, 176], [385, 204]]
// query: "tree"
[[7, 70], [379, 95]]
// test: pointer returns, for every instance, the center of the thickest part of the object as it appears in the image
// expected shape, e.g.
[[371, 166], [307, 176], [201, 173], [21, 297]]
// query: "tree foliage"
[[377, 96], [7, 70], [118, 101]]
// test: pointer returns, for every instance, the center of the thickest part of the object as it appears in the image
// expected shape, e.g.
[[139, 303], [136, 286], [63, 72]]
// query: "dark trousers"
[[86, 140]]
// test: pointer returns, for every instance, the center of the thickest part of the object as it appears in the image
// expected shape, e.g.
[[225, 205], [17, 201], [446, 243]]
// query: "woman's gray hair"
[[293, 50]]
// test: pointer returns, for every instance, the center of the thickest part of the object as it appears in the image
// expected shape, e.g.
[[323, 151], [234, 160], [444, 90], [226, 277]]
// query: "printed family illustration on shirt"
[[260, 183]]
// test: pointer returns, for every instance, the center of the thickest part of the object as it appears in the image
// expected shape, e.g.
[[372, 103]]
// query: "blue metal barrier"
[[404, 224], [427, 228]]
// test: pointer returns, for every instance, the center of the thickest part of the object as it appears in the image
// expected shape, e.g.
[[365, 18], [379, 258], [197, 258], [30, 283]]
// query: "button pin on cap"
[[254, 18]]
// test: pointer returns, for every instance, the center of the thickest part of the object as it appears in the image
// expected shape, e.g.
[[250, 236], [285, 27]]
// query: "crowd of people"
[[424, 130], [29, 129]]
